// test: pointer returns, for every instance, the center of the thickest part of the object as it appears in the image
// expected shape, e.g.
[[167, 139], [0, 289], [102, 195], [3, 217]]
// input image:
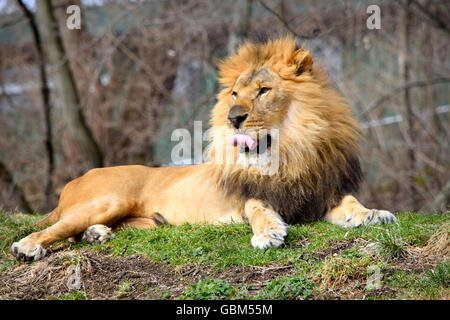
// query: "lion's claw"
[[372, 217], [272, 238]]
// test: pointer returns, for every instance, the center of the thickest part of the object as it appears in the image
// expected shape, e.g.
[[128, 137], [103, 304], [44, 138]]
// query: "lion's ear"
[[302, 59]]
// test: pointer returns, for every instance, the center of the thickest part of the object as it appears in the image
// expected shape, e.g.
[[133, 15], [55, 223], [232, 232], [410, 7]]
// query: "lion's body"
[[271, 86], [179, 194]]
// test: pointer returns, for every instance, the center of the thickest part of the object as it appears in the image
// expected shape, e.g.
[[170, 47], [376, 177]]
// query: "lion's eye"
[[234, 94], [263, 90]]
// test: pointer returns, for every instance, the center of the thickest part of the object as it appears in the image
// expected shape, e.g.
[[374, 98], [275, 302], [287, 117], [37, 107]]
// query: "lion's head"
[[274, 87]]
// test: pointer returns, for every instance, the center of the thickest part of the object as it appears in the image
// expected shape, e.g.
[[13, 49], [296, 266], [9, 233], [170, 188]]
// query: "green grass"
[[433, 284], [296, 287], [218, 246], [123, 288], [13, 227], [221, 247], [391, 244], [213, 289], [229, 245], [73, 295]]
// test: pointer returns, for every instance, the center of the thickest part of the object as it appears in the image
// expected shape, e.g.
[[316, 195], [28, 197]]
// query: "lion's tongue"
[[243, 140]]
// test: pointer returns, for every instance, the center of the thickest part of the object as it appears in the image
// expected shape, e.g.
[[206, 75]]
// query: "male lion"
[[271, 86]]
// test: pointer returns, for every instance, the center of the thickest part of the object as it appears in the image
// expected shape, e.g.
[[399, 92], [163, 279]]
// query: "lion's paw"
[[98, 233], [270, 238], [382, 217], [27, 250], [370, 217]]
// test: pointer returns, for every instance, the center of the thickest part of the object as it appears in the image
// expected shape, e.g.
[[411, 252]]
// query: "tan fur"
[[306, 108], [318, 136]]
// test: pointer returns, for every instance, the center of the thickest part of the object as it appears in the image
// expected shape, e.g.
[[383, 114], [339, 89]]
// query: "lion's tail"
[[50, 219]]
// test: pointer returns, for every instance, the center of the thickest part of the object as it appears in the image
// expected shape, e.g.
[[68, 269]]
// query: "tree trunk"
[[6, 175], [441, 201], [404, 69], [240, 25], [45, 93], [66, 85]]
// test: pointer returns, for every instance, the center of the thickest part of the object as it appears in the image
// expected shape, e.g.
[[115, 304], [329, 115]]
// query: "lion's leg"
[[91, 218], [351, 213], [141, 222], [268, 227]]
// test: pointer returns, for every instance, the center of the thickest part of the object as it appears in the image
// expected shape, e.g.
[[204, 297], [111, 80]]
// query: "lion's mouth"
[[248, 144]]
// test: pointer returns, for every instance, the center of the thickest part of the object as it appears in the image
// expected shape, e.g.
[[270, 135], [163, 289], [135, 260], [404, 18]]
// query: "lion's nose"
[[237, 115]]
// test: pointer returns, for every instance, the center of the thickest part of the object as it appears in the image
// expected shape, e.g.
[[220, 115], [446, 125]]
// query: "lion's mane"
[[318, 145]]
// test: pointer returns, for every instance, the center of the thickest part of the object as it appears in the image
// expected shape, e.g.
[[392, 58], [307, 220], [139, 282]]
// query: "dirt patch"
[[355, 290], [336, 247], [95, 274], [101, 276], [257, 277]]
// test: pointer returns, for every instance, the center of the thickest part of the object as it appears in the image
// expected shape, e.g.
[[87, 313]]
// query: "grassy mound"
[[409, 259]]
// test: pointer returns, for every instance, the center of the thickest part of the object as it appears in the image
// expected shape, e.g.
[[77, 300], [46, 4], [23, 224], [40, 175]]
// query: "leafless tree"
[[138, 70], [67, 86], [45, 92]]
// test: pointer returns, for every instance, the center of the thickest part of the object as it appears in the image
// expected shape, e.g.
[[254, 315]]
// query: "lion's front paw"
[[270, 238], [27, 250], [369, 217], [98, 233]]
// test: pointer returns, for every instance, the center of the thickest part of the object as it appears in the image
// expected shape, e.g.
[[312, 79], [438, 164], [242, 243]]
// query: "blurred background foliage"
[[137, 70]]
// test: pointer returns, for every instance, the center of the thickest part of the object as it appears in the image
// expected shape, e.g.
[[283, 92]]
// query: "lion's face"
[[257, 101], [257, 105], [262, 81]]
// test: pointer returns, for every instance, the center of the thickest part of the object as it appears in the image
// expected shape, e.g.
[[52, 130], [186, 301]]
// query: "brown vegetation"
[[143, 69]]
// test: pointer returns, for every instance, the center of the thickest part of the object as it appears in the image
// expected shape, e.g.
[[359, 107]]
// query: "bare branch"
[[7, 176], [286, 25], [434, 18], [410, 85]]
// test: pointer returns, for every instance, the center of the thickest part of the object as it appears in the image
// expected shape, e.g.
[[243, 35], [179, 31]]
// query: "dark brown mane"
[[291, 199]]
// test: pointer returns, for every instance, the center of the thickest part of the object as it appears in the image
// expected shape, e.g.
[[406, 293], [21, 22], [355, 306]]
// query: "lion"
[[267, 87]]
